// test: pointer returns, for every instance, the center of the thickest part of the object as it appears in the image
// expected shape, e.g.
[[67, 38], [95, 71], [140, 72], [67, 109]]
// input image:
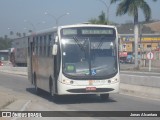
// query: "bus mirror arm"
[[56, 39], [54, 50]]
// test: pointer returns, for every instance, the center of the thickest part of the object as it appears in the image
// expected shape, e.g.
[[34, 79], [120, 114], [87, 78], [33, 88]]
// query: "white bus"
[[75, 59]]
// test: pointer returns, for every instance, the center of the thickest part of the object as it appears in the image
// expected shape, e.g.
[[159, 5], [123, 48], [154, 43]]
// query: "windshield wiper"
[[79, 44], [100, 43]]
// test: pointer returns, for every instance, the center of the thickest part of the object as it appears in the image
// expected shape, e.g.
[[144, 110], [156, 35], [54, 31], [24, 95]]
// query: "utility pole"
[[56, 18]]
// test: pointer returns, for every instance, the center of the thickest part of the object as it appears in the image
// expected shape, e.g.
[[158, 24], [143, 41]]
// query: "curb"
[[153, 70], [140, 91], [143, 72]]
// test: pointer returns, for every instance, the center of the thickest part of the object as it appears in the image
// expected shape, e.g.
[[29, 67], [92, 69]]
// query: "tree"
[[131, 8], [11, 32], [5, 36], [5, 43], [101, 19], [18, 34], [24, 34], [30, 31]]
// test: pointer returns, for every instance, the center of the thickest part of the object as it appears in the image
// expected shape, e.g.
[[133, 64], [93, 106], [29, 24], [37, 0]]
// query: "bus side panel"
[[43, 71]]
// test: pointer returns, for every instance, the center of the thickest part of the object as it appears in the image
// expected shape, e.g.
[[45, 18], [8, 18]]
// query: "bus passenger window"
[[44, 52], [34, 48], [28, 47], [49, 45], [40, 46], [37, 45]]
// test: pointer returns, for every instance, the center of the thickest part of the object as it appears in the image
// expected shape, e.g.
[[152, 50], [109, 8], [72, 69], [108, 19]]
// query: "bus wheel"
[[51, 89], [104, 97], [35, 85], [55, 97]]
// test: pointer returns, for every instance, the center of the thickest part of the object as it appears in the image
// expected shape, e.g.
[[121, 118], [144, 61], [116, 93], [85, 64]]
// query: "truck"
[[18, 51]]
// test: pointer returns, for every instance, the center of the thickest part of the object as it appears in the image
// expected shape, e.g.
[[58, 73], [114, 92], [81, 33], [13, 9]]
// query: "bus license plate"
[[90, 88]]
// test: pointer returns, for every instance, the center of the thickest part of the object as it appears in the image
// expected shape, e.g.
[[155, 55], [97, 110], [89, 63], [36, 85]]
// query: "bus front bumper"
[[65, 89]]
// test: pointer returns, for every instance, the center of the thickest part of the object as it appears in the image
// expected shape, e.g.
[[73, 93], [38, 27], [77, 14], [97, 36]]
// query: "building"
[[154, 26], [149, 40], [146, 43]]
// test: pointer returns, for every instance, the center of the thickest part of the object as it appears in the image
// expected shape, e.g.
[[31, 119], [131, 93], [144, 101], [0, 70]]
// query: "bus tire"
[[104, 97], [37, 90], [32, 79], [51, 89]]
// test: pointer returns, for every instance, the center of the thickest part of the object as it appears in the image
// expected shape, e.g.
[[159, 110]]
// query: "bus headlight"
[[68, 82], [71, 82], [114, 80]]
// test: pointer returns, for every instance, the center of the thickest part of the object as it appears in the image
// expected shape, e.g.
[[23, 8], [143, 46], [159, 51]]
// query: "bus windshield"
[[89, 56]]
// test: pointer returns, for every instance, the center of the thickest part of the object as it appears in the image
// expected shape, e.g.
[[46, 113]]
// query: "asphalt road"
[[43, 102]]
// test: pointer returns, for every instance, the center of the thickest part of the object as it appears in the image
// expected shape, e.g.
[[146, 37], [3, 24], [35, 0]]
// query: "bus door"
[[56, 60], [29, 60], [55, 73]]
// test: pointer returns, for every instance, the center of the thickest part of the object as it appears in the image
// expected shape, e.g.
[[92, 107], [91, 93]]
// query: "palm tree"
[[11, 32], [131, 8], [18, 34], [5, 37], [101, 19], [24, 34]]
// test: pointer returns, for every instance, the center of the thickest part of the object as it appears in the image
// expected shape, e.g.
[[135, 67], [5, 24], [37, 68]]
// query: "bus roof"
[[48, 30], [53, 29]]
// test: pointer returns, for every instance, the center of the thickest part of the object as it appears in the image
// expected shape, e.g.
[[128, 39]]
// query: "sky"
[[22, 15]]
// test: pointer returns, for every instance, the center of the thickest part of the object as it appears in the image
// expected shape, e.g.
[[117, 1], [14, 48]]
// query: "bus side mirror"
[[54, 50], [56, 39]]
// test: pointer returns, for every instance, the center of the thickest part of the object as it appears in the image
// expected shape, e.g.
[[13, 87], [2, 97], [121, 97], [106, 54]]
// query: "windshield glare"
[[89, 56]]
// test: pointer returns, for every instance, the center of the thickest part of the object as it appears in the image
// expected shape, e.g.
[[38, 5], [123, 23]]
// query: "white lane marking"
[[22, 109], [25, 105]]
